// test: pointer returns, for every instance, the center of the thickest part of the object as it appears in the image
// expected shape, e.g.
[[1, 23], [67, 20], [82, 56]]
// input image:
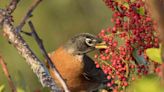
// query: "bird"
[[75, 66]]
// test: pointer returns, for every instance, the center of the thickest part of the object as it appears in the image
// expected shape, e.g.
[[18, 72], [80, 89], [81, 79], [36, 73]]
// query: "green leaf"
[[147, 85], [154, 54], [2, 87], [141, 10], [126, 5]]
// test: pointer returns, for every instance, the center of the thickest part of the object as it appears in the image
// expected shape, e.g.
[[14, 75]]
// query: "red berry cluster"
[[133, 30]]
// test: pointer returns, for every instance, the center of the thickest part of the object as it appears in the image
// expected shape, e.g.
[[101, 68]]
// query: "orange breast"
[[71, 70], [68, 65]]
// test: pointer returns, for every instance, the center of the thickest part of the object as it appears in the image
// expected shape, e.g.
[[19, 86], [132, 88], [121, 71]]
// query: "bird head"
[[84, 43]]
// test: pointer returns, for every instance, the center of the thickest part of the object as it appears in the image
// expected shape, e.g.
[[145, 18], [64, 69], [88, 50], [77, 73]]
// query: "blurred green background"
[[55, 22]]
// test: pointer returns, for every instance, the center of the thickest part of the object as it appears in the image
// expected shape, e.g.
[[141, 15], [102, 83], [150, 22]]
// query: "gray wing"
[[92, 73]]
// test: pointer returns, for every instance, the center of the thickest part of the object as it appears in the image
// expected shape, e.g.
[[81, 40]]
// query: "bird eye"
[[89, 42]]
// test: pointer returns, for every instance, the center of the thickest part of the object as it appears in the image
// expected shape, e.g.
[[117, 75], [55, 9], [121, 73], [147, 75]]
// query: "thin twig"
[[28, 14], [11, 7], [6, 72], [41, 46]]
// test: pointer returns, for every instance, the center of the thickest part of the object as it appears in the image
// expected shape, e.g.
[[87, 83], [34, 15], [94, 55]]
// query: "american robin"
[[78, 69]]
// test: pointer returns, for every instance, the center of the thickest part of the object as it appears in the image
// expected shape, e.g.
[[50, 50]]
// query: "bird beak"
[[101, 45]]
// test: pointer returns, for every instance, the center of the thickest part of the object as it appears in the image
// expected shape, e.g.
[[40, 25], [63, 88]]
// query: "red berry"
[[97, 66], [125, 83]]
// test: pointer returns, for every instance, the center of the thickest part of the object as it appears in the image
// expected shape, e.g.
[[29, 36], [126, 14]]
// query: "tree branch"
[[43, 50], [19, 43], [6, 72], [9, 9]]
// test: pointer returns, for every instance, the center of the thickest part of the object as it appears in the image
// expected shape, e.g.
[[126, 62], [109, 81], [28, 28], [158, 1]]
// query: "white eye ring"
[[89, 42]]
